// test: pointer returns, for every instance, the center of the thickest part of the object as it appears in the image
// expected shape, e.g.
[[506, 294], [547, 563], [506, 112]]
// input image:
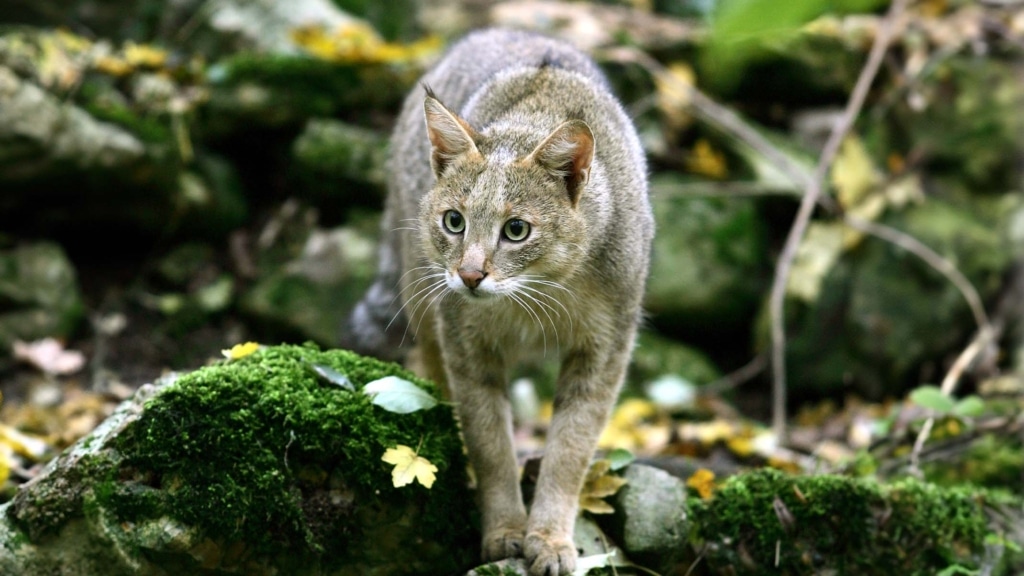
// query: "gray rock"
[[312, 292], [40, 134], [650, 521], [39, 294]]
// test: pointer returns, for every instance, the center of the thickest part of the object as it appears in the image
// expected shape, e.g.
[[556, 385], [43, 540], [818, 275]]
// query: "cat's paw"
[[549, 555], [503, 543]]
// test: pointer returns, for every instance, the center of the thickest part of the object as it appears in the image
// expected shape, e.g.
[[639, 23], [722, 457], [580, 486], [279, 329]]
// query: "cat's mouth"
[[480, 289], [476, 293]]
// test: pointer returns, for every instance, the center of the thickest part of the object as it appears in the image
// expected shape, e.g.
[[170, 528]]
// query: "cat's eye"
[[453, 222], [516, 230]]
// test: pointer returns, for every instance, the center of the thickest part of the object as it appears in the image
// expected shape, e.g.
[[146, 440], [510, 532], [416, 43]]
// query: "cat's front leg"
[[587, 389], [486, 417]]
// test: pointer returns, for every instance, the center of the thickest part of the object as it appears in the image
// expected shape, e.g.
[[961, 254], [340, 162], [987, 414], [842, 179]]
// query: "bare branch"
[[810, 199]]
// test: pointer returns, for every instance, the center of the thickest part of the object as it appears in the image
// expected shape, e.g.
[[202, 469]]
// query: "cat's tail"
[[376, 327]]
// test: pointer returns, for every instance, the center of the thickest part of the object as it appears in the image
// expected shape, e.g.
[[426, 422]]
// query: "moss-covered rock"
[[335, 161], [281, 91], [884, 317], [257, 465], [767, 522], [708, 268]]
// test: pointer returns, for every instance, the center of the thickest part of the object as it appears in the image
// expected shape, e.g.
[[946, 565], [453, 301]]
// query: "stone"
[[651, 521]]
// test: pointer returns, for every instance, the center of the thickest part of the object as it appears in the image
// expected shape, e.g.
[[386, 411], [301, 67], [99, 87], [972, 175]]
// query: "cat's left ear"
[[567, 154], [450, 136]]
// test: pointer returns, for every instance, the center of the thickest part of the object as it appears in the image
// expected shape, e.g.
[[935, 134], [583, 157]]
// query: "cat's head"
[[503, 218]]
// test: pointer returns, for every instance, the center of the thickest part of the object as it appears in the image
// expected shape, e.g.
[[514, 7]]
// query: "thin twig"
[[733, 379], [930, 257], [981, 341], [807, 204]]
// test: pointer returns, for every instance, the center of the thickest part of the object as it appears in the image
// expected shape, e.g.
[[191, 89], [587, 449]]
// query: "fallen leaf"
[[588, 563], [703, 481], [600, 484], [409, 466], [333, 376], [622, 429], [24, 444], [49, 356], [360, 43], [240, 350], [144, 55], [398, 395], [620, 458]]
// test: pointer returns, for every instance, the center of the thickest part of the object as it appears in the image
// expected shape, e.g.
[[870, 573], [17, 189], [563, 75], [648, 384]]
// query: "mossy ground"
[[767, 522], [263, 451]]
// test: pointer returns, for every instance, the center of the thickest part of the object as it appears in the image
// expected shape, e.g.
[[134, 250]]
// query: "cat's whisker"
[[525, 285], [536, 295], [415, 284], [535, 279], [443, 294], [421, 293], [517, 298], [438, 288], [547, 309], [439, 269]]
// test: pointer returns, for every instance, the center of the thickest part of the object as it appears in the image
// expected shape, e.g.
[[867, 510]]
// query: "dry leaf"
[[359, 43], [600, 484], [815, 258], [853, 173], [240, 350], [409, 466], [49, 356], [636, 424], [703, 481]]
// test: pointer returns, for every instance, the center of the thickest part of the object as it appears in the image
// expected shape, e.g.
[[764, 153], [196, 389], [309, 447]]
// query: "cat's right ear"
[[450, 136]]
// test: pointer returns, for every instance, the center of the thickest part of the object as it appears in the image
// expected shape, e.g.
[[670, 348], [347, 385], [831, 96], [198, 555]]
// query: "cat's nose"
[[471, 278]]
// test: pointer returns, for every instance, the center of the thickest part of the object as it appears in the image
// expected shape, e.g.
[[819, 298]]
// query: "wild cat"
[[517, 223]]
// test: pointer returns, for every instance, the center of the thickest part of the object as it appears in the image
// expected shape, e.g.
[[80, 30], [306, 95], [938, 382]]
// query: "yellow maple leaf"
[[598, 485], [409, 466], [703, 481], [240, 350]]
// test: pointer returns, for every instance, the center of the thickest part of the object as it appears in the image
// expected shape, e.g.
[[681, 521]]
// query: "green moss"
[[307, 84], [823, 524], [993, 461], [262, 451], [286, 90]]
